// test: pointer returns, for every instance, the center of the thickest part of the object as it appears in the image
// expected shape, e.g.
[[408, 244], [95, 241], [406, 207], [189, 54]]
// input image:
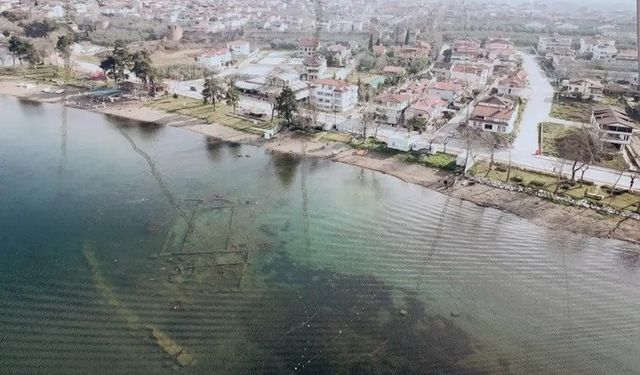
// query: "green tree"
[[371, 42], [418, 123], [39, 29], [63, 45], [446, 55], [286, 105], [20, 48], [232, 96], [142, 66], [407, 37], [118, 62], [6, 33], [212, 91], [122, 59]]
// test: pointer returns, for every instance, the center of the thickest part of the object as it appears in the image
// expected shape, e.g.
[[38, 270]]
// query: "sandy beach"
[[575, 219]]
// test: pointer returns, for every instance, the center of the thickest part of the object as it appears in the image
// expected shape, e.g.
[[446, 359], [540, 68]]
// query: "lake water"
[[132, 248]]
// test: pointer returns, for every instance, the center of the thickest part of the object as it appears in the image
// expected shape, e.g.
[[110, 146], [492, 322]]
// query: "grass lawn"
[[622, 200], [333, 137], [572, 109], [223, 114], [551, 132], [441, 160]]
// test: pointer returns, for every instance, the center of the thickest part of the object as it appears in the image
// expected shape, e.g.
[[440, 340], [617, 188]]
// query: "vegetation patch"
[[572, 109], [618, 198], [441, 160]]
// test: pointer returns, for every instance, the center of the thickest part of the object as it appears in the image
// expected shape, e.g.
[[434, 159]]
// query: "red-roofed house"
[[429, 107], [447, 90], [390, 107], [515, 84], [215, 58], [333, 95], [308, 46], [494, 114]]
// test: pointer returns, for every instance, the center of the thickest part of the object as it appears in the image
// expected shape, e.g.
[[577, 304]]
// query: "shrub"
[[501, 169], [516, 179], [536, 183], [175, 96]]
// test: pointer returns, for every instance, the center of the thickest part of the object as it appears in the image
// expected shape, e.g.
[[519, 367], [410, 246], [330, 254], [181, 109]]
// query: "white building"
[[554, 43], [240, 48], [604, 52], [587, 43], [390, 107], [582, 88], [216, 58], [614, 128], [332, 95], [494, 114]]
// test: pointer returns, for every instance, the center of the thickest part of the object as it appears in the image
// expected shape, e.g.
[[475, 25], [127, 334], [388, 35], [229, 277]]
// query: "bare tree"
[[492, 141], [368, 117], [581, 146]]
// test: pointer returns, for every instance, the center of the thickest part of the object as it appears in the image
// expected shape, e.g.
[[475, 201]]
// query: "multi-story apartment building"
[[332, 95]]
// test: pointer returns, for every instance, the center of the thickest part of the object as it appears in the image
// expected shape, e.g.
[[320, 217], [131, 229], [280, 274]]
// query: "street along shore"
[[576, 219]]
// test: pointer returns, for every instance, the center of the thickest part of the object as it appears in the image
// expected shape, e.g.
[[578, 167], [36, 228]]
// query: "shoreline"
[[578, 220]]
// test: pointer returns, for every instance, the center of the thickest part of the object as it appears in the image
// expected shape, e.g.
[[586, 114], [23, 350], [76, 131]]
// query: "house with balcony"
[[315, 68], [613, 127], [494, 114], [308, 47], [390, 107], [582, 88], [332, 95]]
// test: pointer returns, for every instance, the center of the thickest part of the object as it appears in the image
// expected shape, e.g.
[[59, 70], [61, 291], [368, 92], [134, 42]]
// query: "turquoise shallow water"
[[259, 263]]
